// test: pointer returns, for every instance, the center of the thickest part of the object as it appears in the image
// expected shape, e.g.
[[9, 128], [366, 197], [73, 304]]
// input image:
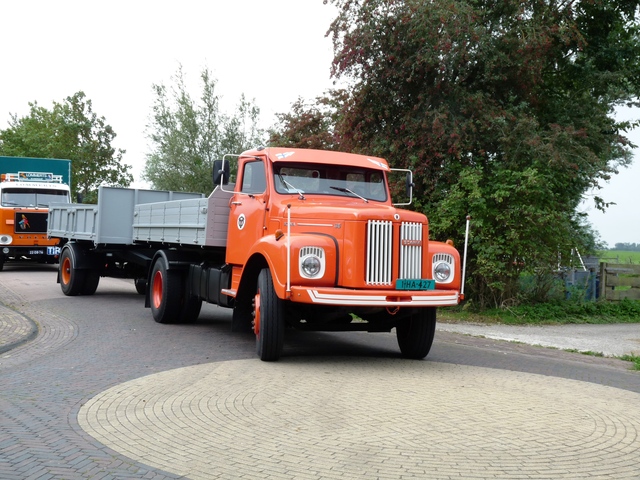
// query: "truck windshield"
[[33, 197], [337, 180]]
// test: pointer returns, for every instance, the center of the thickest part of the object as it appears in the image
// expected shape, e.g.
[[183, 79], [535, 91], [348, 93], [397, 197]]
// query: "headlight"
[[5, 239], [442, 268], [312, 262]]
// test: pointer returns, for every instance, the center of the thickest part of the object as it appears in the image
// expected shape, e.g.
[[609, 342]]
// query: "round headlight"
[[311, 266], [5, 239], [442, 272]]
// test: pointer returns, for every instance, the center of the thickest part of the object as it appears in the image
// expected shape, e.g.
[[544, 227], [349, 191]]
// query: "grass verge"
[[562, 312]]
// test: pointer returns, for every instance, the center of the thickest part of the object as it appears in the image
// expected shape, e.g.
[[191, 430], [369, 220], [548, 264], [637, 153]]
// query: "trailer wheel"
[[165, 292], [71, 279], [141, 285], [415, 333], [91, 281], [268, 319]]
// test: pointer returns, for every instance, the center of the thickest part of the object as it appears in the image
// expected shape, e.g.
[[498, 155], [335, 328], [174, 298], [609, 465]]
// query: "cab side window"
[[254, 179]]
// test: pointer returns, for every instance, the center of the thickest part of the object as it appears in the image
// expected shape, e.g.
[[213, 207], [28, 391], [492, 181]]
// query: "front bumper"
[[39, 252], [374, 298]]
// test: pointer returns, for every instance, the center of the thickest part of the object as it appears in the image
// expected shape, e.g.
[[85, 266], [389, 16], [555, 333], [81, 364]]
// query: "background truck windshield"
[[337, 180], [32, 197]]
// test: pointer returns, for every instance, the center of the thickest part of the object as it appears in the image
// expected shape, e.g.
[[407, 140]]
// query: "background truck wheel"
[[71, 279], [269, 319], [165, 292], [415, 333]]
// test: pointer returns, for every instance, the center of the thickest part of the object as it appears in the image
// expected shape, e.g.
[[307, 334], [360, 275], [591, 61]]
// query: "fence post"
[[603, 280]]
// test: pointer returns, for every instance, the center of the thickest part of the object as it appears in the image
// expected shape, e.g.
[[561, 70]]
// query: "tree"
[[310, 125], [70, 130], [187, 136], [503, 109]]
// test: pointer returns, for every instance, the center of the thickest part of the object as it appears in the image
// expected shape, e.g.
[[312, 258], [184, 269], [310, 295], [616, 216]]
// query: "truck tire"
[[91, 281], [165, 292], [141, 285], [415, 333], [268, 319], [190, 308], [71, 279]]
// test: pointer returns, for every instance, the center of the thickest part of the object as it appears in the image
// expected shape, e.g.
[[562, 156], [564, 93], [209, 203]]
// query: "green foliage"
[[620, 256], [632, 358], [503, 110], [309, 125], [187, 136], [582, 312], [70, 130]]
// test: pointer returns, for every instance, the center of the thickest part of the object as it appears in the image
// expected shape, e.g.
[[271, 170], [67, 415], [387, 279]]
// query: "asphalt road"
[[97, 389]]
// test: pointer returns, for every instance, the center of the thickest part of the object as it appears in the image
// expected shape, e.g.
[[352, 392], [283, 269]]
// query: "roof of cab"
[[302, 155]]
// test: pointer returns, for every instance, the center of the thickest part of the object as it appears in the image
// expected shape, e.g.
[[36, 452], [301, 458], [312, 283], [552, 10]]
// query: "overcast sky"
[[273, 51]]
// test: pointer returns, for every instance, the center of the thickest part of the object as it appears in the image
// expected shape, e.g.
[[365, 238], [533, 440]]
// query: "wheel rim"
[[256, 314], [157, 289], [66, 271]]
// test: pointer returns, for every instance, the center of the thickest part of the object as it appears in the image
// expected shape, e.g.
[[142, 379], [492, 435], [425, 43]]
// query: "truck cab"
[[333, 251], [24, 202]]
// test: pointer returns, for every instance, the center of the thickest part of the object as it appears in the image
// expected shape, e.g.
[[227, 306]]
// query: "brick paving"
[[114, 395]]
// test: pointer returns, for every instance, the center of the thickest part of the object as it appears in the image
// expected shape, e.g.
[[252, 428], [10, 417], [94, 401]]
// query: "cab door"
[[247, 214]]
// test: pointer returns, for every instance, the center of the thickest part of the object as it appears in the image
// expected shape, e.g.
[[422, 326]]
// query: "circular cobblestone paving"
[[368, 418]]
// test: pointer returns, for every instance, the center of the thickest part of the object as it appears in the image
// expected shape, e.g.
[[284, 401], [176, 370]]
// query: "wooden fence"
[[619, 281]]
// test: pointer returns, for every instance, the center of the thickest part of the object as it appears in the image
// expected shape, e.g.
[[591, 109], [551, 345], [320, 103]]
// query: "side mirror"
[[220, 172], [409, 185]]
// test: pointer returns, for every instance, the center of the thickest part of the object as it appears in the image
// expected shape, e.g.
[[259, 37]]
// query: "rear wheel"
[[71, 278], [268, 319], [91, 281], [415, 333], [190, 309], [141, 285], [165, 292]]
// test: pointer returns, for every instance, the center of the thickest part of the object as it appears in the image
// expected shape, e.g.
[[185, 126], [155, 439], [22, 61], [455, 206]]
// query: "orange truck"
[[27, 187], [303, 239]]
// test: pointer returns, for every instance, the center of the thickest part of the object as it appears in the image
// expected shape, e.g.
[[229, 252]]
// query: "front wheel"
[[268, 319], [415, 333], [71, 278]]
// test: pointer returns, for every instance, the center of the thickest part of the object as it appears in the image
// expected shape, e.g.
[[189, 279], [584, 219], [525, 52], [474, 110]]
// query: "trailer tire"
[[165, 292], [71, 278], [415, 333], [91, 281], [141, 285], [269, 322]]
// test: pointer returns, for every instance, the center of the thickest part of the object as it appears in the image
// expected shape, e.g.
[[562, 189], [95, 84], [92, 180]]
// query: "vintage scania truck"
[[304, 239], [27, 187]]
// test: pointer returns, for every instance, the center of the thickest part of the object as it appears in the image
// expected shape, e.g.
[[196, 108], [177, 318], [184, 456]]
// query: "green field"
[[619, 256]]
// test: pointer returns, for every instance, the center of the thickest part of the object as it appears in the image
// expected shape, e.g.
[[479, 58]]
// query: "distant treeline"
[[629, 247]]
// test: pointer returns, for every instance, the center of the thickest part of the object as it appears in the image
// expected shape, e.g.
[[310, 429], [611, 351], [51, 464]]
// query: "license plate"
[[415, 284], [36, 252]]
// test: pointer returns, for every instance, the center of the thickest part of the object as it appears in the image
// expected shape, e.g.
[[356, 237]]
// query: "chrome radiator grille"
[[410, 250], [380, 247]]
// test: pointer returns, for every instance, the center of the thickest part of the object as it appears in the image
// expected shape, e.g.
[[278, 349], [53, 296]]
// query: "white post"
[[464, 259], [289, 248]]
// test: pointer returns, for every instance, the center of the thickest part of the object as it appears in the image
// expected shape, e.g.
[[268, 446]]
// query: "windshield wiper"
[[346, 190], [291, 187]]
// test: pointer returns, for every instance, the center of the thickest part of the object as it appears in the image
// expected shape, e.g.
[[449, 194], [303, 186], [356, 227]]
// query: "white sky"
[[273, 51]]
